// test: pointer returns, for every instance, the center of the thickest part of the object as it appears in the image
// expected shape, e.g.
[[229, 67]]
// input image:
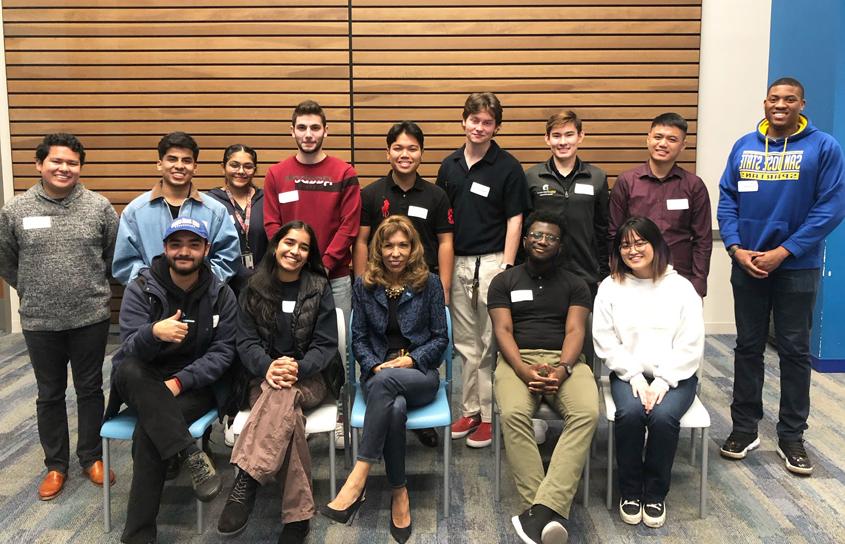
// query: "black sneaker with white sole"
[[555, 531], [631, 511], [530, 524], [738, 444], [654, 514], [795, 456]]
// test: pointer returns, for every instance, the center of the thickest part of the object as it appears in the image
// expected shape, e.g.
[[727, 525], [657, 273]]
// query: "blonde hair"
[[415, 274]]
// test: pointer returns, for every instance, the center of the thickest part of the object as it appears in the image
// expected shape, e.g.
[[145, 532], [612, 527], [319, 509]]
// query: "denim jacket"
[[422, 320]]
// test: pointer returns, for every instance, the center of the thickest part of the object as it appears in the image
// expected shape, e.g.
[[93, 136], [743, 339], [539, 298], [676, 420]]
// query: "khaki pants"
[[472, 331], [576, 401], [273, 442]]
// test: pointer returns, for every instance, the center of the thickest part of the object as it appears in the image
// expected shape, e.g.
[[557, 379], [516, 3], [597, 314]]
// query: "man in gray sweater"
[[56, 246]]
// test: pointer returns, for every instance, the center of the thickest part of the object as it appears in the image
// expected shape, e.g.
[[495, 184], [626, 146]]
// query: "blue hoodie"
[[786, 192]]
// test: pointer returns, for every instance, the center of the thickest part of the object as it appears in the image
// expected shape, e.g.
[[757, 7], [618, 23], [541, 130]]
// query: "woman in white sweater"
[[648, 327]]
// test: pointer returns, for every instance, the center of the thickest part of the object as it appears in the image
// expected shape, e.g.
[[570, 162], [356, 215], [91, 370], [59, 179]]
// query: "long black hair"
[[262, 298]]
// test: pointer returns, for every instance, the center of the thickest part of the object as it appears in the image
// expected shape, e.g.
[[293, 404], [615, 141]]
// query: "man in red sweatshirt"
[[320, 190]]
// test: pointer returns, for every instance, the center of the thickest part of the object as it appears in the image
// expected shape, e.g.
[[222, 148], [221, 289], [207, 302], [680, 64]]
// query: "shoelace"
[[630, 502], [655, 505], [239, 492], [797, 451], [200, 470]]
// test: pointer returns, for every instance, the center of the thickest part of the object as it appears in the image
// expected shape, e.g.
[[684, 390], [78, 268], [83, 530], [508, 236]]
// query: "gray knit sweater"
[[57, 254]]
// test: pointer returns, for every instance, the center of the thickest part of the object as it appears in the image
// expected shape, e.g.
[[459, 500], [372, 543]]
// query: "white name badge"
[[747, 186], [288, 306], [417, 211], [677, 204], [522, 295], [584, 189], [481, 190], [288, 196], [215, 319], [37, 222]]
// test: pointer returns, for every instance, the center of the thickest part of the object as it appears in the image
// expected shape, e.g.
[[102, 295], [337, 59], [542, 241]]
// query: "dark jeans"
[[648, 479], [161, 433], [49, 352], [789, 295], [389, 394]]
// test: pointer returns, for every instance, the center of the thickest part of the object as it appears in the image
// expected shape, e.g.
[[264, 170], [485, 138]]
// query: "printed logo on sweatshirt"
[[772, 166], [321, 183]]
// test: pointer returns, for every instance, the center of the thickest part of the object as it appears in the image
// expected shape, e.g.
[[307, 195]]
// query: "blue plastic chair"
[[436, 414], [122, 427]]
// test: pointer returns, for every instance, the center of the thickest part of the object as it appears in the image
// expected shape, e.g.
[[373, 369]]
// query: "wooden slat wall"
[[120, 76]]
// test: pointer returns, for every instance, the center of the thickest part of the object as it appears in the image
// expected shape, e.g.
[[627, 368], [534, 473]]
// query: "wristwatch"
[[568, 367], [732, 250]]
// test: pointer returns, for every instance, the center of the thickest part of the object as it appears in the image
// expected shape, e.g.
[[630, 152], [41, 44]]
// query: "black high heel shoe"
[[400, 534], [347, 515]]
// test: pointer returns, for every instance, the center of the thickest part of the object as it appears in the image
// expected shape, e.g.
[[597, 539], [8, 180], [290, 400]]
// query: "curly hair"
[[415, 274]]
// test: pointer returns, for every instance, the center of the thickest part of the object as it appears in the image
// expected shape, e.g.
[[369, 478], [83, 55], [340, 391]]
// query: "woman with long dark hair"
[[287, 340], [648, 327], [398, 336]]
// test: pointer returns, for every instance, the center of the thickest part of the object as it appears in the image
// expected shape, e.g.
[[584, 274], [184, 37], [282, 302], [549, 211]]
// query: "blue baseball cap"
[[186, 224]]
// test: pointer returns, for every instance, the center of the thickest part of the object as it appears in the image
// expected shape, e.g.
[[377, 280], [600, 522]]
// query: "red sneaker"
[[465, 425], [481, 437]]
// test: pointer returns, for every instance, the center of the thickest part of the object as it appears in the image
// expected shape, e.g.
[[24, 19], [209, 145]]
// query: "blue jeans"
[[789, 295], [648, 479], [389, 394]]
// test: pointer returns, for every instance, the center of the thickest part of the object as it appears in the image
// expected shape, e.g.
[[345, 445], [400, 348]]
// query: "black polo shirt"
[[425, 204], [538, 304], [483, 198]]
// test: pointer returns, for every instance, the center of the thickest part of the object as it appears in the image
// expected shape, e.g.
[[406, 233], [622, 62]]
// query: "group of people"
[[231, 297]]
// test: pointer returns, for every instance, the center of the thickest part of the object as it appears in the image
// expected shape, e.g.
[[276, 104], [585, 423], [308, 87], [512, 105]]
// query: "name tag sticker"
[[37, 222], [677, 204], [215, 319], [416, 211], [481, 190], [747, 186], [522, 295], [288, 196], [584, 189], [288, 306]]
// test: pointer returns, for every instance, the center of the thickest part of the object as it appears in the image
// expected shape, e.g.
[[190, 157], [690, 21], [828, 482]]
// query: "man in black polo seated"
[[177, 328], [539, 311]]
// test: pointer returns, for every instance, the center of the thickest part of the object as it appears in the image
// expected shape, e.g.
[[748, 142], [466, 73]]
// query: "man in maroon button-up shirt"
[[676, 200]]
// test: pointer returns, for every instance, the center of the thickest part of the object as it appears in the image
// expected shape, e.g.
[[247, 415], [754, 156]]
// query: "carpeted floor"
[[751, 501]]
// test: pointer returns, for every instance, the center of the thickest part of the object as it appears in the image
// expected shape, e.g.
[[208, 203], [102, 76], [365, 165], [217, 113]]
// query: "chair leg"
[[692, 447], [497, 448], [447, 468], [200, 505], [332, 480], [585, 480], [106, 487], [354, 433], [609, 463], [702, 509]]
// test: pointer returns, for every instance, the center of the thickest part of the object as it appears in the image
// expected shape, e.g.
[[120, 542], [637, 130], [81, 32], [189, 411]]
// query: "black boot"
[[238, 506]]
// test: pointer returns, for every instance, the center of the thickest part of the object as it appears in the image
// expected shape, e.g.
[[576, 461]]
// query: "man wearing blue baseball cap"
[[177, 328]]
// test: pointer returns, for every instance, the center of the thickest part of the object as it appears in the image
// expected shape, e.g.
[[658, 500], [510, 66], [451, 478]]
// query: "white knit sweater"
[[649, 329]]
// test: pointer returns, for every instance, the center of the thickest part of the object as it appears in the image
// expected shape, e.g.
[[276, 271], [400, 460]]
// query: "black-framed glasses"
[[637, 245], [551, 238]]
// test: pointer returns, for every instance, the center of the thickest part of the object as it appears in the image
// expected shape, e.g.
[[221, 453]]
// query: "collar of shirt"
[[157, 192], [391, 183], [489, 157], [644, 171], [552, 166]]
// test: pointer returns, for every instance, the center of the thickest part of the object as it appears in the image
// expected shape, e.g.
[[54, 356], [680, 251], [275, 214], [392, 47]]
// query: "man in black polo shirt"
[[486, 187], [403, 191], [577, 192], [539, 311]]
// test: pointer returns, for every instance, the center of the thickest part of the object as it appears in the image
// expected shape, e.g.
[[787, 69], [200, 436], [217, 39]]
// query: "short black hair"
[[180, 140], [786, 81], [543, 216], [648, 231], [670, 119], [61, 139], [308, 107], [406, 127]]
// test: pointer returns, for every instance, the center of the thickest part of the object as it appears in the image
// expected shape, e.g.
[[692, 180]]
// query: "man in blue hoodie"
[[780, 195]]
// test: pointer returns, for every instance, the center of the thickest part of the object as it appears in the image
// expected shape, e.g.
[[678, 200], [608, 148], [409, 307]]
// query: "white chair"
[[696, 417], [320, 419]]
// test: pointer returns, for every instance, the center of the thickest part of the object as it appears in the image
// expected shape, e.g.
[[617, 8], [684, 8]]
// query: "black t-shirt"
[[283, 343], [426, 205], [539, 304], [483, 198], [395, 339]]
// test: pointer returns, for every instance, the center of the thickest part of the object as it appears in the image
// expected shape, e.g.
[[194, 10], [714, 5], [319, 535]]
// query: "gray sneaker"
[[204, 478]]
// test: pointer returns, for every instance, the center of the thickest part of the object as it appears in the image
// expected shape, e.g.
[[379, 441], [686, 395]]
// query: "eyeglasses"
[[637, 245], [248, 167], [551, 238]]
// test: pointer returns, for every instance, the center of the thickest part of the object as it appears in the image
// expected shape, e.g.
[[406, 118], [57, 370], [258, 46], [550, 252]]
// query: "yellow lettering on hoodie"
[[774, 166]]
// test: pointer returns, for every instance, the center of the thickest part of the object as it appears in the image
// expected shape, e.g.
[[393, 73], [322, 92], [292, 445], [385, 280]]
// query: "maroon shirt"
[[679, 205]]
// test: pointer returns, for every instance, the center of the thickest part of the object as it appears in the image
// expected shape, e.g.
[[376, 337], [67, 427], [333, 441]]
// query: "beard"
[[317, 148], [195, 265]]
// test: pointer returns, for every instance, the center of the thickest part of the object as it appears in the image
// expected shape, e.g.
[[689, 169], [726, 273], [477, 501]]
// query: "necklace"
[[393, 292]]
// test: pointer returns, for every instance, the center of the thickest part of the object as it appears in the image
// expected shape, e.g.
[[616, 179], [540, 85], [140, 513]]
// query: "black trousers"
[[49, 352], [161, 433]]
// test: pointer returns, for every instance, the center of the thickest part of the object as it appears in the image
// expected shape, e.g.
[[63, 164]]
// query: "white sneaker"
[[540, 429], [228, 433], [339, 439]]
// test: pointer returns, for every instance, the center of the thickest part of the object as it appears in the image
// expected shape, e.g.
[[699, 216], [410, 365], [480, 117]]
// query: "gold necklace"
[[394, 292]]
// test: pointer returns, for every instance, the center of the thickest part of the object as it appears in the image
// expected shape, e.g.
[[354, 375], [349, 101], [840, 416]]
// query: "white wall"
[[734, 67]]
